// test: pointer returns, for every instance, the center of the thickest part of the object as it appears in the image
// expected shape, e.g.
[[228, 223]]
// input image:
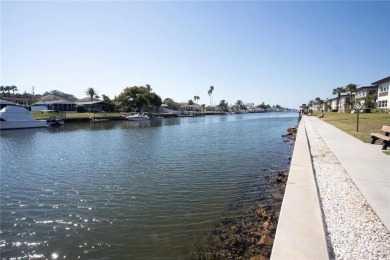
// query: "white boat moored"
[[137, 117], [18, 117]]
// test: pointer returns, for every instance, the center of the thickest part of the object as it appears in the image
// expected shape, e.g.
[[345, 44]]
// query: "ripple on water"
[[130, 192]]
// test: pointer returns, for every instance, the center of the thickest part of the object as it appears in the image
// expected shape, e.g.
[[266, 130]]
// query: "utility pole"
[[33, 90]]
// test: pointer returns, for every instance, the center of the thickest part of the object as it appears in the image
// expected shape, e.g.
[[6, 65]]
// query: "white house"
[[344, 103], [315, 105], [383, 93], [60, 106], [362, 93], [333, 104]]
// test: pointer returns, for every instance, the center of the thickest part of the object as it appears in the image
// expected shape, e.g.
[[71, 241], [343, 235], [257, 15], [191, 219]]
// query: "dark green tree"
[[91, 92], [223, 105], [154, 99], [13, 88], [370, 100], [69, 97], [320, 102], [338, 91], [196, 98], [106, 99], [351, 88], [171, 103], [8, 89], [139, 98]]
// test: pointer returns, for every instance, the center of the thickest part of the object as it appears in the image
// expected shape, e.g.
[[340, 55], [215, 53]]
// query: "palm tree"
[[223, 105], [351, 88], [239, 104], [196, 98], [148, 87], [8, 89], [370, 100], [338, 91], [91, 93], [210, 92], [14, 88], [319, 102]]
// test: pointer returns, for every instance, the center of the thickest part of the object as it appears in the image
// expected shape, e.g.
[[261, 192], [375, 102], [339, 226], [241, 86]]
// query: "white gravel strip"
[[353, 230]]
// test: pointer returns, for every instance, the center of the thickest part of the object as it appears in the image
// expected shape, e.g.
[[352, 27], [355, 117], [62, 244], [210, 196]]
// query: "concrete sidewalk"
[[368, 167], [301, 233]]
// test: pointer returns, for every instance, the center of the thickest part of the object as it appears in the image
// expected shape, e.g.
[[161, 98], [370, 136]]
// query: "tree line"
[[142, 98], [8, 89]]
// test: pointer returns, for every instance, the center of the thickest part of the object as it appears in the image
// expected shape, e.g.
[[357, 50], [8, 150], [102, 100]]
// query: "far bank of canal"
[[174, 187]]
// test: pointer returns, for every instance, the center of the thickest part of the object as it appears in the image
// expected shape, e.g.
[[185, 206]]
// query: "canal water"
[[134, 190]]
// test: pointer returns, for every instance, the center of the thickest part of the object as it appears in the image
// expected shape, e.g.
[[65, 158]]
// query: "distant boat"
[[137, 117], [55, 121], [18, 117], [96, 120]]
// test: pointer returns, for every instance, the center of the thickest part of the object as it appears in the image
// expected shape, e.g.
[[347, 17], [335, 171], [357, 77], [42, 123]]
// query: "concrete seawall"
[[300, 233]]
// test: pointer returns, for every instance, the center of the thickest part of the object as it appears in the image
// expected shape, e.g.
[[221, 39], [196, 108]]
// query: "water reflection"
[[122, 124], [22, 133]]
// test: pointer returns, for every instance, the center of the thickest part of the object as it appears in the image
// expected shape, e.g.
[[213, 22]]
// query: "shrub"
[[375, 111], [382, 110]]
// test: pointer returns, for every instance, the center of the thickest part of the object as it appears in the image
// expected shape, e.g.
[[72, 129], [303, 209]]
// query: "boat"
[[18, 117], [55, 122], [137, 117], [97, 120]]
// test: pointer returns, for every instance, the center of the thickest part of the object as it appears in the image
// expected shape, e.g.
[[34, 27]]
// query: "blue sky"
[[279, 52]]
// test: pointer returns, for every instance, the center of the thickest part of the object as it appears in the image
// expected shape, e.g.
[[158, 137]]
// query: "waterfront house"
[[19, 99], [190, 109], [4, 103], [212, 108], [96, 106], [366, 94], [59, 106], [164, 108], [383, 93]]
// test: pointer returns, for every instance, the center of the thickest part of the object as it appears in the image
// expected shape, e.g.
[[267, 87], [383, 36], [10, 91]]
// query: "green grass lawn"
[[368, 123]]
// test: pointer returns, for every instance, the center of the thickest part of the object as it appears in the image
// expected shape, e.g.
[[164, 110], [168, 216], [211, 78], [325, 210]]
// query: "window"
[[382, 104], [384, 88]]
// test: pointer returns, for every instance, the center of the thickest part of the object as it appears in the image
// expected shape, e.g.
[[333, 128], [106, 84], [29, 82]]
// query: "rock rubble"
[[291, 134]]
